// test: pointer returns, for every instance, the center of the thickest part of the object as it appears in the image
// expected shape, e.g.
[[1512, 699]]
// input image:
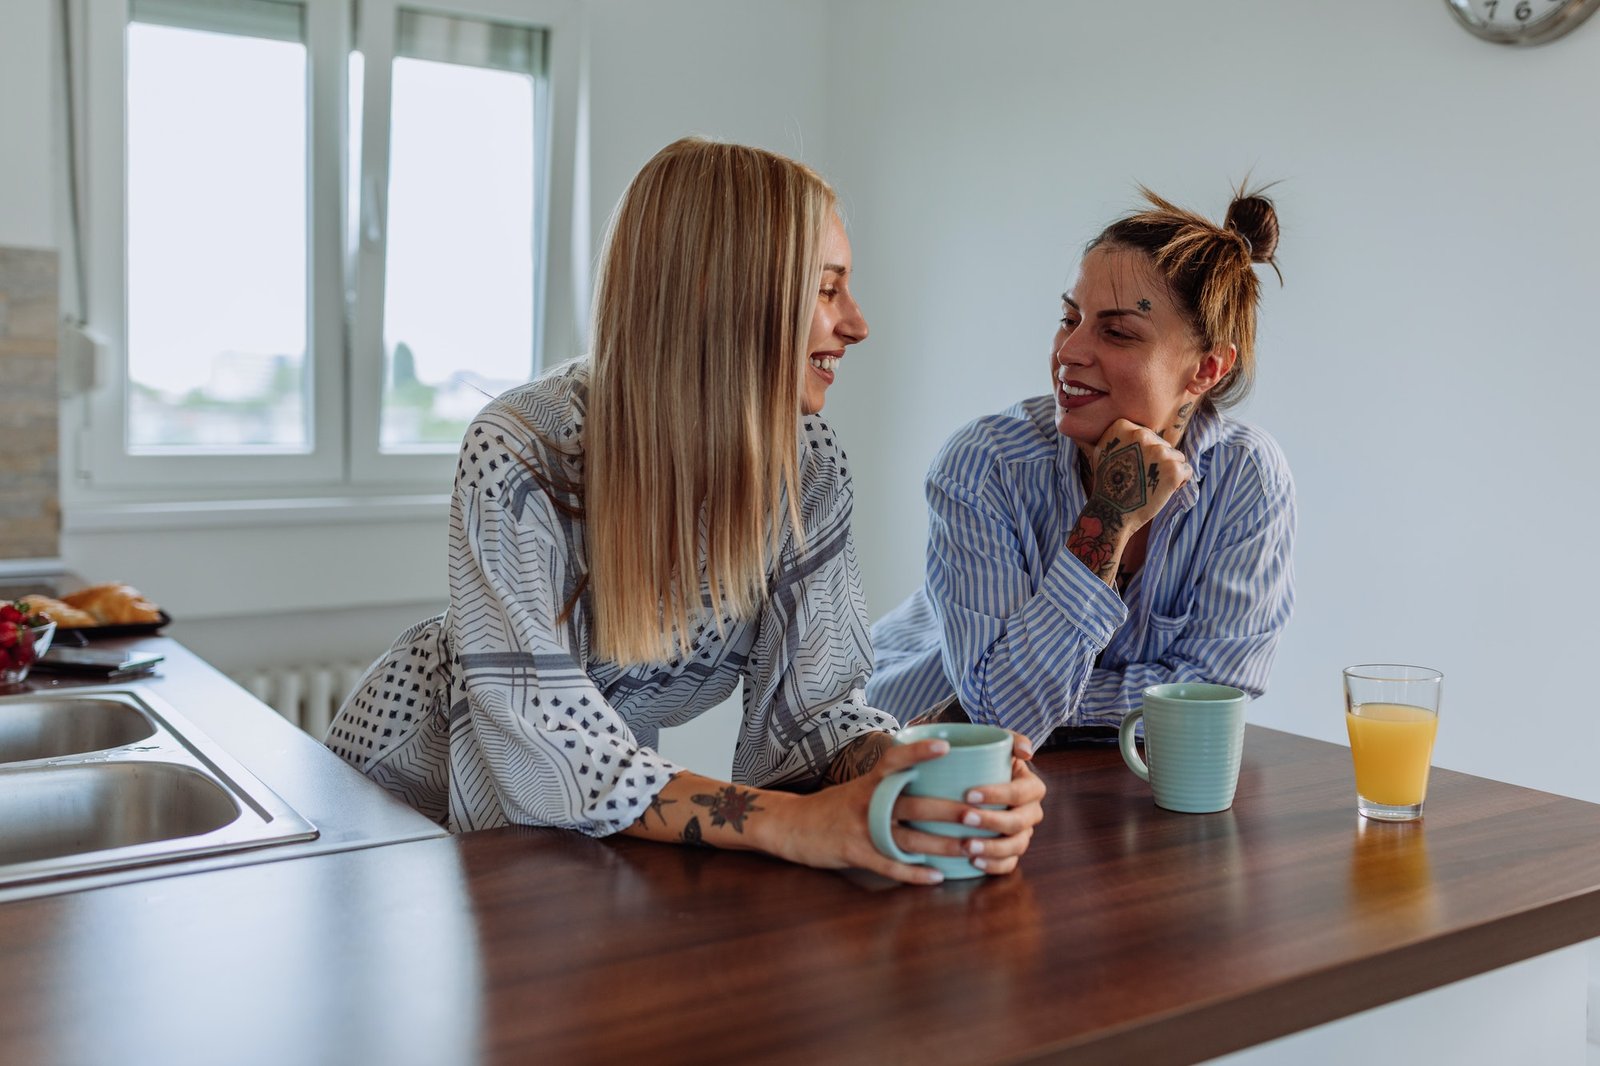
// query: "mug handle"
[[880, 816], [1125, 741]]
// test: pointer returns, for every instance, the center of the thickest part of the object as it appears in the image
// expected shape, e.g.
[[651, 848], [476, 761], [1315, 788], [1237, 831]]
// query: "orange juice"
[[1392, 745]]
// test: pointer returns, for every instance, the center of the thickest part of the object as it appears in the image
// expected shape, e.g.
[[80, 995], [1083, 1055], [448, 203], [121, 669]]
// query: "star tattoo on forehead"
[[1144, 305]]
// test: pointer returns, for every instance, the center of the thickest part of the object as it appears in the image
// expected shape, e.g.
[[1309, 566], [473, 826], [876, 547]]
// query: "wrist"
[[771, 834]]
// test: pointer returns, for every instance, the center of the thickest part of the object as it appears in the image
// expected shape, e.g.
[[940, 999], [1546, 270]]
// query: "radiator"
[[308, 696]]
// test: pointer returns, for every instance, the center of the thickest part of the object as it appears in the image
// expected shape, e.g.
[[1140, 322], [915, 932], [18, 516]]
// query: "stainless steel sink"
[[94, 782], [47, 728]]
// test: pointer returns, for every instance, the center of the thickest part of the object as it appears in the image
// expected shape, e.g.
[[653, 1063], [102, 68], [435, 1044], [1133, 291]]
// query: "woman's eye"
[[1069, 323], [828, 294]]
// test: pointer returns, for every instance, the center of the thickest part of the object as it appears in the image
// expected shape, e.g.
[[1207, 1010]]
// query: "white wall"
[[1428, 365], [27, 147]]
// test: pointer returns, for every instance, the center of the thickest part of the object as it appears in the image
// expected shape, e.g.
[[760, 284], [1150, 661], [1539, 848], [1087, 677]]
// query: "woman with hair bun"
[[1121, 531], [636, 532]]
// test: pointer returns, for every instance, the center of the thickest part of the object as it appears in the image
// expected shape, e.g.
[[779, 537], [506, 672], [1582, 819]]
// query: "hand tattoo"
[[1152, 477], [731, 806], [1119, 481], [691, 832]]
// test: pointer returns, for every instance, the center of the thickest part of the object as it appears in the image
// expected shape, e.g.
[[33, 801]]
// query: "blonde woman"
[[635, 533]]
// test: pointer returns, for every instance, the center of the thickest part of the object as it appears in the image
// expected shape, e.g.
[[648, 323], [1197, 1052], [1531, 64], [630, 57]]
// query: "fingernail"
[[1025, 749], [974, 847], [935, 876], [971, 817], [974, 797], [982, 864], [939, 747]]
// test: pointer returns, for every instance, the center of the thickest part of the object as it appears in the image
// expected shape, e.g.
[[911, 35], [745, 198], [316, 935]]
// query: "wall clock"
[[1521, 21]]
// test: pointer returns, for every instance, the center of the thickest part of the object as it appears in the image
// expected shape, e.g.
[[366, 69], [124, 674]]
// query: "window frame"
[[344, 343]]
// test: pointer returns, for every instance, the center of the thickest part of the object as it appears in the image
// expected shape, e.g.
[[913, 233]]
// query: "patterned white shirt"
[[1026, 636], [540, 730]]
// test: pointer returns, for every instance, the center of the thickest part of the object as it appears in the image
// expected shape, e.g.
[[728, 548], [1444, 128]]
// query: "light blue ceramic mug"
[[1193, 741], [978, 755]]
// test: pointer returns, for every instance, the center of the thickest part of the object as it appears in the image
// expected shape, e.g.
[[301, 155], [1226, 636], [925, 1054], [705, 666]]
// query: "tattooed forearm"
[[729, 806], [857, 757], [1095, 539], [656, 803]]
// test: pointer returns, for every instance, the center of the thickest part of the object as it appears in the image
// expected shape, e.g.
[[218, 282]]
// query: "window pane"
[[216, 220], [459, 316]]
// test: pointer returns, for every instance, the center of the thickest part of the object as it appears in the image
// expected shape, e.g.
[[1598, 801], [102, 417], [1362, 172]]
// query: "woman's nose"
[[852, 326], [1071, 351]]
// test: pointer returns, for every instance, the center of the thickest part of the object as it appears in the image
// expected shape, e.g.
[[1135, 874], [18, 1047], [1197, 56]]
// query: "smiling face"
[[836, 323], [1125, 350]]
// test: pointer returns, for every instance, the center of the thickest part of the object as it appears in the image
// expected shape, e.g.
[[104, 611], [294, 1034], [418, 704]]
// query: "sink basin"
[[58, 811], [94, 781], [47, 728]]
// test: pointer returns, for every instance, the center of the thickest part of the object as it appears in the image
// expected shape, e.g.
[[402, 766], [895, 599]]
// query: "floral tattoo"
[[730, 806], [1094, 538]]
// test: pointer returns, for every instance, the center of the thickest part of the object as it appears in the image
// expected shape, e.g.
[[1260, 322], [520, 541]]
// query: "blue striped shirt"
[[1029, 638]]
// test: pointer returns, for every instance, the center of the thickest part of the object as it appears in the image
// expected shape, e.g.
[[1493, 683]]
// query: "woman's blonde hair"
[[706, 291]]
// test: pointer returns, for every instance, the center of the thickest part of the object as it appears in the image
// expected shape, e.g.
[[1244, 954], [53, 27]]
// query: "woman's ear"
[[1214, 366]]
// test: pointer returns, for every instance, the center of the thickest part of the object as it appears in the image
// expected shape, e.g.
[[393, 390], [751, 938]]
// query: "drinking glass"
[[1392, 713]]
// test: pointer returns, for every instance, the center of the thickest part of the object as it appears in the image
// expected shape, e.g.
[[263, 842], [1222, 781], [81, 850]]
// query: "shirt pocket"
[[1161, 632]]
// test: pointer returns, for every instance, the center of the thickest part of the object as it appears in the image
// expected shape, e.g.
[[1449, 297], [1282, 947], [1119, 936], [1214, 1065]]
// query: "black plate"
[[78, 636]]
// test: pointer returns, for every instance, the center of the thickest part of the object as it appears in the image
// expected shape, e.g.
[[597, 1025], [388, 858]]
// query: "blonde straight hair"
[[706, 291]]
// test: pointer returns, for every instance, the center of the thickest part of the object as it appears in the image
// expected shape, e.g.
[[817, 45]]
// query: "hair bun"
[[1253, 217]]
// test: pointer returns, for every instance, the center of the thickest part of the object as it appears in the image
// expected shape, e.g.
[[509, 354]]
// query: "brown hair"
[[1208, 269], [706, 290]]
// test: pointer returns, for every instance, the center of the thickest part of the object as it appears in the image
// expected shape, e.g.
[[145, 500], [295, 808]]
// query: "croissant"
[[114, 604], [63, 615]]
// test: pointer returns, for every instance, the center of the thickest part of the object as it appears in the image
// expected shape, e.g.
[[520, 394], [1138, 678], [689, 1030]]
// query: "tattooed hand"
[[1135, 472]]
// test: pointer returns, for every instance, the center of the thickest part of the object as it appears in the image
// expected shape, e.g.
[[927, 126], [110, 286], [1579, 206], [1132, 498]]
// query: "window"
[[319, 232]]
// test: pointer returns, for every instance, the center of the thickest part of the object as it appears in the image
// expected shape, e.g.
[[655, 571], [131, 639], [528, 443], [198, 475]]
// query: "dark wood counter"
[[1131, 935]]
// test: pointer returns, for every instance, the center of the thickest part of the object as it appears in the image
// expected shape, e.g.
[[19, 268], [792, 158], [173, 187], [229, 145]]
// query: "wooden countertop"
[[1131, 934]]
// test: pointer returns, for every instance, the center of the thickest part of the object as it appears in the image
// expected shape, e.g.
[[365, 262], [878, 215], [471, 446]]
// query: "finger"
[[901, 756], [992, 848], [996, 867], [1008, 822], [929, 809], [1021, 747], [916, 842], [905, 872], [1024, 787]]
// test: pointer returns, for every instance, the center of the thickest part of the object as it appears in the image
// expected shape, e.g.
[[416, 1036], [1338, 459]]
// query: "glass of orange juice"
[[1392, 713]]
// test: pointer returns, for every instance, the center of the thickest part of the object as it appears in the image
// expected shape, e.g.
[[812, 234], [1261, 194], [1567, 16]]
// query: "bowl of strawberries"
[[23, 638]]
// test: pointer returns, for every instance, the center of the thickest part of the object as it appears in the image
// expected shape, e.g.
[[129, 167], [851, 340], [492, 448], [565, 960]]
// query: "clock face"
[[1521, 21]]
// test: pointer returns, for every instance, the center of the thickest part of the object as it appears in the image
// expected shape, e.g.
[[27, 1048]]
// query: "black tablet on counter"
[[106, 664]]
